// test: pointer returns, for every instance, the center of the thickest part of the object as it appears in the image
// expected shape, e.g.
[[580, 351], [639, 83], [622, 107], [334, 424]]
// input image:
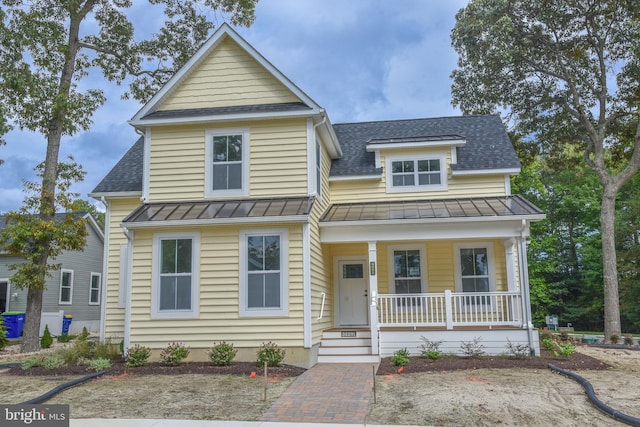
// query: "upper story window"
[[418, 174], [227, 170]]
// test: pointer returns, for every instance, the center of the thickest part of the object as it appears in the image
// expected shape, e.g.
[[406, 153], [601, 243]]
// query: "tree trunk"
[[32, 321], [609, 264]]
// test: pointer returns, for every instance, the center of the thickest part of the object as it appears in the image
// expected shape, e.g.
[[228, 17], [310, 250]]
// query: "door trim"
[[336, 284]]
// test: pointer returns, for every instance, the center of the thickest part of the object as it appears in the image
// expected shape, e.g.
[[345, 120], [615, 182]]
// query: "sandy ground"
[[482, 397], [516, 397]]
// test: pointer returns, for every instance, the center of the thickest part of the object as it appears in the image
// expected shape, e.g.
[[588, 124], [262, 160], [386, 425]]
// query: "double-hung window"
[[227, 154], [94, 289], [263, 272], [407, 270], [418, 174], [474, 270], [175, 275], [66, 287]]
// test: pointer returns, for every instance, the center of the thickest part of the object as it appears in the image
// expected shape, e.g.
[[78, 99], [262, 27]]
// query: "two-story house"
[[242, 214]]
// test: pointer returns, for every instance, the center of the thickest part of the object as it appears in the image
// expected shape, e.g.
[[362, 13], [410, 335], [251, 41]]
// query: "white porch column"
[[373, 295], [524, 282], [510, 262]]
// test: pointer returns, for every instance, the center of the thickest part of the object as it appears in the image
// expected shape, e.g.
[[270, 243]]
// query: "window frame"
[[423, 266], [62, 273], [389, 160], [91, 289], [208, 185], [244, 310], [488, 246], [193, 312]]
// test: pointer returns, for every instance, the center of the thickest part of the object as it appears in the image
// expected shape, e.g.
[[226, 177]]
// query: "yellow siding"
[[278, 160], [219, 307], [114, 319], [228, 77], [458, 186]]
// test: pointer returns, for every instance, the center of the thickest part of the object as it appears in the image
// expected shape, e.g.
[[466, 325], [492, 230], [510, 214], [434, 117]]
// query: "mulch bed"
[[204, 368], [577, 361]]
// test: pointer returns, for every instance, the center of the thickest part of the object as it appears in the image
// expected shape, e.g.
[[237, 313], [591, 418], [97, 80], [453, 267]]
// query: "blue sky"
[[360, 59]]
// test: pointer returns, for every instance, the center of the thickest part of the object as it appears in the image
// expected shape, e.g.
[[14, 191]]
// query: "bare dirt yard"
[[452, 393]]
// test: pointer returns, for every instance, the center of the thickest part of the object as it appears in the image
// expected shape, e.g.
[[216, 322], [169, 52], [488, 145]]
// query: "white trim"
[[355, 178], [306, 284], [509, 171], [311, 169], [454, 155], [194, 311], [146, 165], [510, 263], [91, 276], [507, 184], [422, 248], [283, 310], [128, 290], [208, 175], [443, 186], [416, 221], [372, 147], [219, 118], [105, 267], [124, 276], [378, 162], [219, 221], [62, 271], [116, 194], [490, 262]]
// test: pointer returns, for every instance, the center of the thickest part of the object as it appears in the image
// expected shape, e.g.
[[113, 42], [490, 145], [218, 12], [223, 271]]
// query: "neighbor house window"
[[66, 286], [264, 272], [175, 267], [227, 156], [94, 289], [474, 269], [422, 173]]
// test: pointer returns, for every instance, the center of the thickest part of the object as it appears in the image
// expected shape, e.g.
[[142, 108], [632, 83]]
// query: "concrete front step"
[[325, 350], [349, 358], [345, 342]]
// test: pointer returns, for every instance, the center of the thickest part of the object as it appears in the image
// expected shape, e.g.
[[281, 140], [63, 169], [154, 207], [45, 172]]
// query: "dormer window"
[[227, 156], [426, 173]]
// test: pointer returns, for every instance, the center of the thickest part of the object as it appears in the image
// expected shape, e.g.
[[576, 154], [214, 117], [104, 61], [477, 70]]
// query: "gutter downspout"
[[524, 268], [105, 268], [127, 307]]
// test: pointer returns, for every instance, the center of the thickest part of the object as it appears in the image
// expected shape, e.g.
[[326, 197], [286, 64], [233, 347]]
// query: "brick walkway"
[[326, 393]]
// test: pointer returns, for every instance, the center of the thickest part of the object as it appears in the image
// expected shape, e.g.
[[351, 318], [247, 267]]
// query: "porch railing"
[[450, 309]]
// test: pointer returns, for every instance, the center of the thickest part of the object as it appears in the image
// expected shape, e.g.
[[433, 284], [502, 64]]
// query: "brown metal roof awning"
[[220, 212], [512, 207]]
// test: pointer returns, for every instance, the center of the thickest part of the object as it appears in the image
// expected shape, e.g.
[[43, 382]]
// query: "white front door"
[[353, 292]]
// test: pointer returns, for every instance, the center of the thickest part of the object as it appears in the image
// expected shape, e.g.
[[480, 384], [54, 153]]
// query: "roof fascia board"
[[95, 225], [116, 194], [328, 134], [223, 31], [504, 171], [220, 118], [422, 144], [355, 178], [218, 221]]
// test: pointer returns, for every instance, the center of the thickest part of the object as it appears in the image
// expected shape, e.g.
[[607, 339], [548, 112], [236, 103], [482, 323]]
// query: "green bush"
[[270, 353], [546, 333], [3, 335], [565, 350], [400, 357], [173, 354], [79, 350], [472, 348], [517, 350], [107, 350], [138, 356], [628, 339], [549, 344], [222, 354], [614, 338], [97, 364], [84, 334], [431, 349], [46, 340], [53, 361], [33, 361], [64, 338]]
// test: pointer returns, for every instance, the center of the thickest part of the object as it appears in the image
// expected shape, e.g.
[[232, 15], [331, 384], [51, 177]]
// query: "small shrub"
[[46, 340], [270, 352], [138, 356], [84, 334], [472, 348], [431, 349], [97, 364], [3, 335], [53, 361], [107, 350], [32, 362], [628, 339], [517, 350], [222, 354], [173, 354], [79, 350], [400, 357], [64, 338], [549, 344], [546, 333], [565, 350], [564, 336], [614, 338]]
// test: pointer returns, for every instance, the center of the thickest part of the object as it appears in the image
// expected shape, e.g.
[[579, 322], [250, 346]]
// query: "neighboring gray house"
[[74, 289]]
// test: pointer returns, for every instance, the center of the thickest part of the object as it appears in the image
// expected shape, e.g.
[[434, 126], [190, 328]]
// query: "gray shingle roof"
[[488, 145], [199, 112], [126, 175]]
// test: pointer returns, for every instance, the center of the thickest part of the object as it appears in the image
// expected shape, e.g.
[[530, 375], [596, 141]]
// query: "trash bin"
[[66, 322], [13, 323]]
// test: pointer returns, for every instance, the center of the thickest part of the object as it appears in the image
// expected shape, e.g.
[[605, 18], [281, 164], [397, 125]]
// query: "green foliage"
[[3, 334], [431, 349], [565, 350], [614, 338], [137, 356], [53, 361], [107, 350], [173, 354], [97, 364], [222, 354], [545, 334], [33, 361], [80, 349], [472, 348], [400, 357], [46, 340], [270, 352], [517, 350], [84, 334], [64, 337], [628, 339]]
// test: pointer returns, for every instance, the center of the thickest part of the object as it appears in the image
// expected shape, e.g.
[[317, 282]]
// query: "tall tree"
[[565, 71], [48, 47]]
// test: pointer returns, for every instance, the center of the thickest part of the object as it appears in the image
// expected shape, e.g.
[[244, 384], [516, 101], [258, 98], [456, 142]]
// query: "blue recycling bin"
[[66, 322], [13, 323]]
